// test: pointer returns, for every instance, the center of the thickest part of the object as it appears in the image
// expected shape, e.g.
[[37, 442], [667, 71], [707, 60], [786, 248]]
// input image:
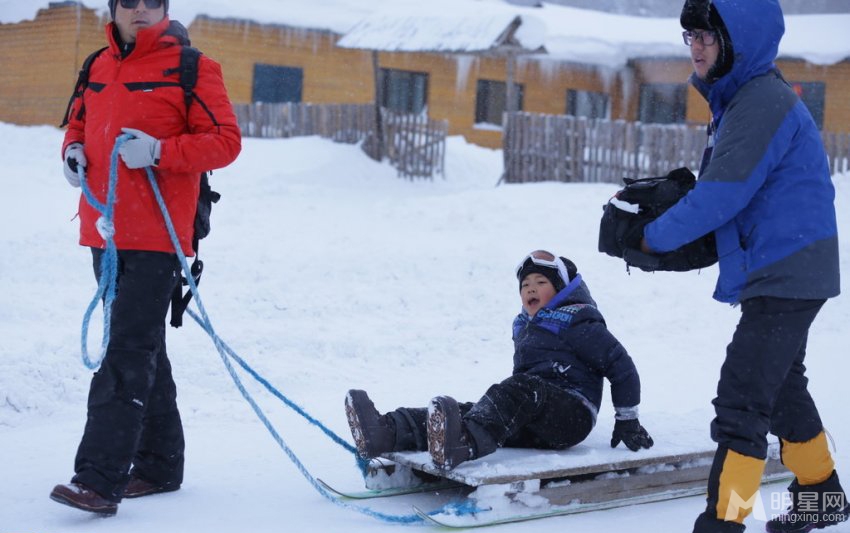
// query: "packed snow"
[[325, 272]]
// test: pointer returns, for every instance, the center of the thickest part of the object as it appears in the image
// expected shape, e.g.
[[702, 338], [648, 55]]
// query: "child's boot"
[[449, 442], [374, 434]]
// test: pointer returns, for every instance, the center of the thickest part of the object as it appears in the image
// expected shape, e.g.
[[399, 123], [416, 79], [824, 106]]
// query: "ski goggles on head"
[[545, 259], [150, 4]]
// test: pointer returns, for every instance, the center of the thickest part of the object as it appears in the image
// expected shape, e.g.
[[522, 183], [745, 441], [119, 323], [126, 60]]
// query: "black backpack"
[[188, 71], [620, 230]]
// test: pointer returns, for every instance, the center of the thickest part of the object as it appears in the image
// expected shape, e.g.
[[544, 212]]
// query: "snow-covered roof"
[[463, 29], [568, 34]]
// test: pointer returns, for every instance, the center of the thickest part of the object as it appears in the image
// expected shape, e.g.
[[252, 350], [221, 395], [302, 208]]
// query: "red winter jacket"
[[129, 93]]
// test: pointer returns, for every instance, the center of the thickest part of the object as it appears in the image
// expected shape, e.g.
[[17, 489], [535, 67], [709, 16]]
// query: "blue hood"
[[755, 46]]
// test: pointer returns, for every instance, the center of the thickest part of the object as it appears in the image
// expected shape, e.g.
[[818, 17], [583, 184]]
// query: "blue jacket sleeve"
[[601, 351], [754, 134]]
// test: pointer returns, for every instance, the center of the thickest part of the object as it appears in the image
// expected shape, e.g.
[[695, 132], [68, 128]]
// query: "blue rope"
[[362, 464], [109, 260]]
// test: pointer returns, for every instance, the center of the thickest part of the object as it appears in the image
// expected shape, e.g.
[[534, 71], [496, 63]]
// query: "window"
[[588, 104], [491, 98], [812, 94], [403, 91], [664, 103], [273, 84]]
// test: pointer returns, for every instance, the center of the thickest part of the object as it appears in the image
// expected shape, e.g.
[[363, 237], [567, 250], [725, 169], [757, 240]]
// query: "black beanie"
[[113, 3], [702, 15], [529, 267]]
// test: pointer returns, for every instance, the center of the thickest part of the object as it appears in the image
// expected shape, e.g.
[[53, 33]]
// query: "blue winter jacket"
[[568, 344], [764, 187]]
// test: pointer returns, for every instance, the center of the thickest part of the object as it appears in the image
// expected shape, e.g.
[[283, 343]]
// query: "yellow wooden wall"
[[40, 60], [331, 74], [453, 82], [667, 70], [836, 116]]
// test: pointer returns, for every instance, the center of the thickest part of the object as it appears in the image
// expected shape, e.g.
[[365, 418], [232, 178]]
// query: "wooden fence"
[[838, 150], [576, 149], [342, 123], [414, 144], [541, 147]]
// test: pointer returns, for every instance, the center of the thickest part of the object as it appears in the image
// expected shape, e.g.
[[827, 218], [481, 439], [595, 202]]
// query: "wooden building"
[[272, 63]]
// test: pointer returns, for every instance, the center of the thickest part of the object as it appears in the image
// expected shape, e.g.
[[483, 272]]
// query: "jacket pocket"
[[149, 86]]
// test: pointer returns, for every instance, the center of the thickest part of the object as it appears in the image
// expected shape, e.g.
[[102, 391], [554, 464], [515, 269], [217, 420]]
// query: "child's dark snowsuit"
[[561, 356]]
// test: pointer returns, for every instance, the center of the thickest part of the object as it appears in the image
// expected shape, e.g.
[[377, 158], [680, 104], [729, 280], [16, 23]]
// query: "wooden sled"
[[574, 476]]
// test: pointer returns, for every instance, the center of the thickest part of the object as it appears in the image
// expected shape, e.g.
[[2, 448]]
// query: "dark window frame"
[[491, 100], [404, 91], [813, 94], [663, 103], [277, 83], [595, 99]]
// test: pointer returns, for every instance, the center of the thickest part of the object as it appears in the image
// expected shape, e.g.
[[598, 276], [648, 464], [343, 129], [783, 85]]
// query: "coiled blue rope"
[[109, 260]]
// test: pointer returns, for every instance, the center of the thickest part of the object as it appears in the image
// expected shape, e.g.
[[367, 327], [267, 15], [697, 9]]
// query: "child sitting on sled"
[[562, 352]]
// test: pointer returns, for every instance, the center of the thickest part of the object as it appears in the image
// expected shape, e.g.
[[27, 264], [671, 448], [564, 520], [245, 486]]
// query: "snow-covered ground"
[[327, 272]]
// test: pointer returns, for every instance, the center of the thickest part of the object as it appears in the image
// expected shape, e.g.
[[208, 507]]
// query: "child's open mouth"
[[533, 301]]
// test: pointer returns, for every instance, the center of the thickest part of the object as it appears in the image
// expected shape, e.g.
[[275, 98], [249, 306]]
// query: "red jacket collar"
[[147, 40]]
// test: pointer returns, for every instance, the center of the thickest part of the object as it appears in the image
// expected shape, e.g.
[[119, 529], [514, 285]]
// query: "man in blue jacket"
[[766, 193]]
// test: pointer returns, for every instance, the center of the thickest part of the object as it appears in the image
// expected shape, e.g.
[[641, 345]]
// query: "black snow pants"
[[523, 411], [763, 386], [132, 405]]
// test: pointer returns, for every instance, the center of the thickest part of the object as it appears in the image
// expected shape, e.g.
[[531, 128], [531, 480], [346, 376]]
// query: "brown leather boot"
[[83, 498], [138, 487]]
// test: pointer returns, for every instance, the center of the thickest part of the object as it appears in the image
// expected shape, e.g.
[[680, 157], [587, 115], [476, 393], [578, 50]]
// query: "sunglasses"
[[150, 4], [547, 260], [707, 37]]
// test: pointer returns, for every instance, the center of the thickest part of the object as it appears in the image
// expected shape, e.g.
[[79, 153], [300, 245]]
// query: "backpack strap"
[[190, 59], [80, 87], [180, 301], [188, 72]]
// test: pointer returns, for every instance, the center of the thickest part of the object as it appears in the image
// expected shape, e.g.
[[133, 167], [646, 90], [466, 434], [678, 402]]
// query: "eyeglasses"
[[150, 4], [548, 260], [707, 37]]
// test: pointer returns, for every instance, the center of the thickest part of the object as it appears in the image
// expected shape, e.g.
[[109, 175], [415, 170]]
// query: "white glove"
[[143, 151], [75, 157]]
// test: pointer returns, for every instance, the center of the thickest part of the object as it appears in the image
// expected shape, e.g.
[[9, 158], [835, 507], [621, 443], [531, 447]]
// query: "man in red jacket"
[[134, 88]]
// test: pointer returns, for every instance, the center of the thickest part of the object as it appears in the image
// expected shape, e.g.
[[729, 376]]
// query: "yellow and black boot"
[[733, 486], [817, 498]]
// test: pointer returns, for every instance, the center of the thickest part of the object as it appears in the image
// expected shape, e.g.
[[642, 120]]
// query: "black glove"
[[75, 158], [633, 435]]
